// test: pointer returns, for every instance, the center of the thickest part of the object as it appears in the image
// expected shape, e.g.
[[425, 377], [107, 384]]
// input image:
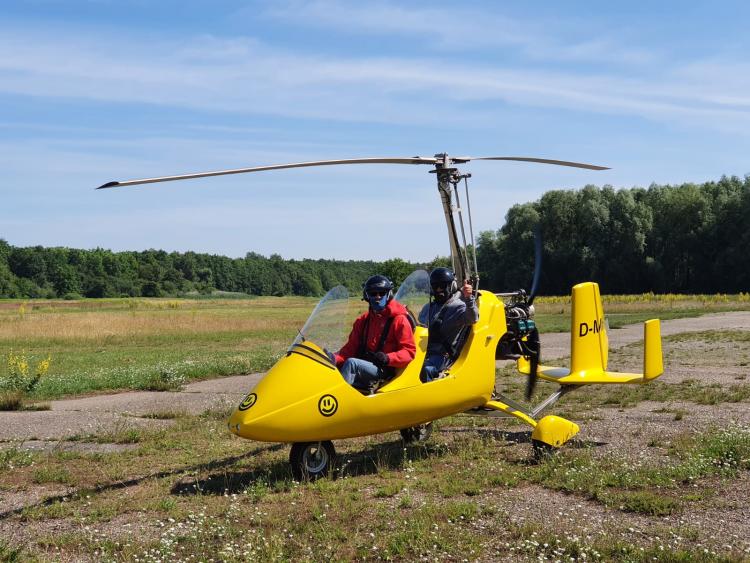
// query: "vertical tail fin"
[[653, 362], [589, 344]]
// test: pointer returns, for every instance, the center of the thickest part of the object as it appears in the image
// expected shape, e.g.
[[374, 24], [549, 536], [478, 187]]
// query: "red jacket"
[[399, 345]]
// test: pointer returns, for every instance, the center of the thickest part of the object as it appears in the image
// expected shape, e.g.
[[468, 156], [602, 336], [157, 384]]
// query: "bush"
[[19, 380]]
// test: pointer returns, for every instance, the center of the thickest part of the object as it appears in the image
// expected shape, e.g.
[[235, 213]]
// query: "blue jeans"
[[433, 365], [360, 373]]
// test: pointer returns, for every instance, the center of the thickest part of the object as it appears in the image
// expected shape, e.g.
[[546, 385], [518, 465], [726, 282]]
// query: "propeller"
[[439, 159], [533, 344], [533, 347]]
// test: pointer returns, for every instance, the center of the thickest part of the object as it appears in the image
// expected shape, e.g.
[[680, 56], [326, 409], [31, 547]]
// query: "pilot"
[[446, 315], [381, 340]]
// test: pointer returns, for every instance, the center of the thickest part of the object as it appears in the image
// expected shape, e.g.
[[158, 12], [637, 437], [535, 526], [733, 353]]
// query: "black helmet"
[[377, 283], [445, 279]]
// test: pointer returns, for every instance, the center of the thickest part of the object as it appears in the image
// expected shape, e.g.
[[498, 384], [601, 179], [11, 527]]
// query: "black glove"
[[380, 359]]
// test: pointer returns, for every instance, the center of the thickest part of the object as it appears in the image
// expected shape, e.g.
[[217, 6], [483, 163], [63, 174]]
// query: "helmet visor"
[[376, 292]]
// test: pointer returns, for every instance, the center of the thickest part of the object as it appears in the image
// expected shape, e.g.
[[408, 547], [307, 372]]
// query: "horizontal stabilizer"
[[564, 376]]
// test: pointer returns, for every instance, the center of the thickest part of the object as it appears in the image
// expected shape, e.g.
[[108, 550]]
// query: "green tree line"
[[29, 272], [687, 238], [684, 239]]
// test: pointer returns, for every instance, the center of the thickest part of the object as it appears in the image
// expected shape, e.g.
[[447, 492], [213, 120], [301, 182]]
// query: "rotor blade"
[[398, 160], [537, 263], [530, 159]]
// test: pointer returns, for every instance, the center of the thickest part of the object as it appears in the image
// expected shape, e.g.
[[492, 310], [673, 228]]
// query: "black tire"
[[542, 451], [415, 434], [311, 460]]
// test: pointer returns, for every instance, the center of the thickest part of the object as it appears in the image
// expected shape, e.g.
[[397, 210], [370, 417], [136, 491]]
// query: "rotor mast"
[[447, 179]]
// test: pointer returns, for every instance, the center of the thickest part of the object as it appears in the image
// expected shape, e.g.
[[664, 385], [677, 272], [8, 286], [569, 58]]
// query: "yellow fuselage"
[[303, 397]]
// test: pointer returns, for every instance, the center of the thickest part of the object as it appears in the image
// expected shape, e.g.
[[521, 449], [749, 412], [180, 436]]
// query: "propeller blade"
[[397, 160], [539, 160], [537, 263], [533, 346]]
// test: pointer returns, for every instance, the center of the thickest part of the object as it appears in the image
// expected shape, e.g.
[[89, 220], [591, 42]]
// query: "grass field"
[[659, 473], [113, 344], [148, 344]]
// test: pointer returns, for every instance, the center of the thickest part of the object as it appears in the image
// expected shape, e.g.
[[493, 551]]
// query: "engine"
[[522, 337]]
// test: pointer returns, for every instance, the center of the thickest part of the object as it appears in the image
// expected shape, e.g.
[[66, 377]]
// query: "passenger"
[[446, 315], [381, 339]]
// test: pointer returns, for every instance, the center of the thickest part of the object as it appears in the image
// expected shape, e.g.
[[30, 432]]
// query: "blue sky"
[[100, 90]]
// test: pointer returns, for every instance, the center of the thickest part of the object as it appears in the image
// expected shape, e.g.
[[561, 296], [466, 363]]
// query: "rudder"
[[589, 344], [653, 360]]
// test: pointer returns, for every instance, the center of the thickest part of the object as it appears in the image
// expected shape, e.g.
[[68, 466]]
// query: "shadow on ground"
[[278, 476], [210, 466]]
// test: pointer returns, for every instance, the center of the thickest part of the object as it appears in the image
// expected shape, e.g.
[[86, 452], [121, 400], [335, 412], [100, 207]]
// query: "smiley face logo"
[[248, 402], [327, 405]]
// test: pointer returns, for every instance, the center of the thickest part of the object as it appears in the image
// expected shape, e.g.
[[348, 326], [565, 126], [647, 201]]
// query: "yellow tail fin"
[[653, 362], [589, 346]]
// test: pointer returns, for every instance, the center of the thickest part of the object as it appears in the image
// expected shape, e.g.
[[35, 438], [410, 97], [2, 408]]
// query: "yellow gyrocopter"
[[303, 399]]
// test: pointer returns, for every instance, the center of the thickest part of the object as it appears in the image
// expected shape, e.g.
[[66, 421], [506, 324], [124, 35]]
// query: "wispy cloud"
[[460, 29], [243, 75]]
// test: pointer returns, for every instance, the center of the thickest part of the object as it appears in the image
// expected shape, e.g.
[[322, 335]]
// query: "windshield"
[[331, 321], [414, 292], [327, 326]]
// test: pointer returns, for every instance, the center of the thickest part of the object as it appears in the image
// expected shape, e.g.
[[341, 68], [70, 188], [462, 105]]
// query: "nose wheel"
[[311, 460], [419, 433]]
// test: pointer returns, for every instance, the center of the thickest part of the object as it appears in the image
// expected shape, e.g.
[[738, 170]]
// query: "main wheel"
[[311, 460], [419, 433]]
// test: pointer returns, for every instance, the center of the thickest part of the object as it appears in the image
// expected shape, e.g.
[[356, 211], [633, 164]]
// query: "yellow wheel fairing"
[[295, 398], [554, 431]]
